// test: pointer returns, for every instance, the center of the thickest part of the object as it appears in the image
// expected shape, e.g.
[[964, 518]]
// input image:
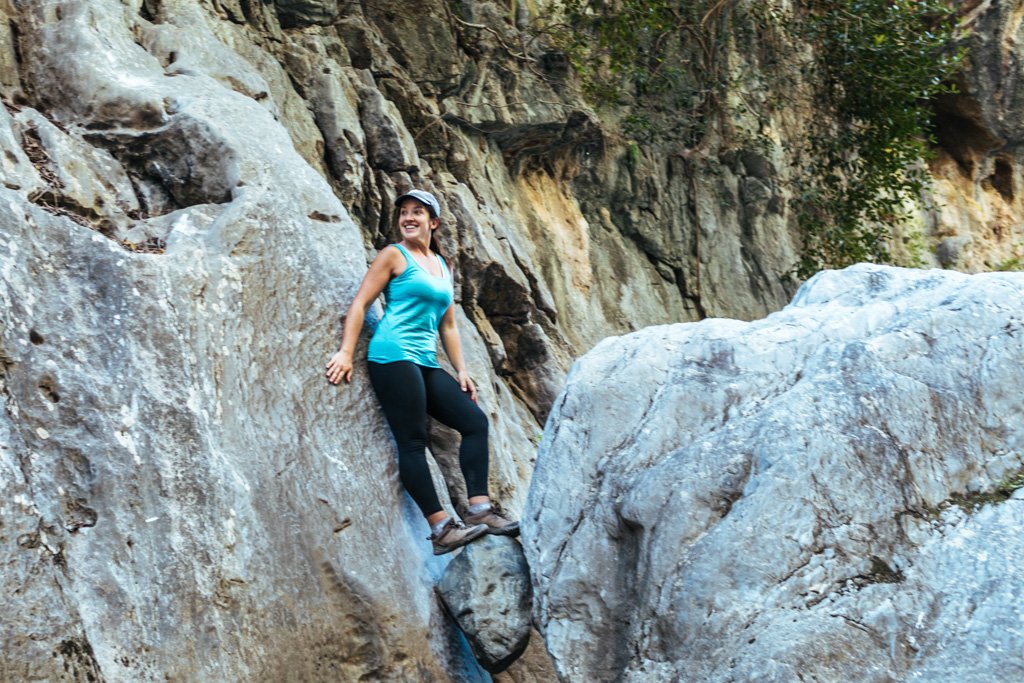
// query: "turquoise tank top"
[[416, 302]]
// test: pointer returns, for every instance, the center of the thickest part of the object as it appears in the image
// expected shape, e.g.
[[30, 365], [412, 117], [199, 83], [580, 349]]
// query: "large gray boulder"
[[826, 494]]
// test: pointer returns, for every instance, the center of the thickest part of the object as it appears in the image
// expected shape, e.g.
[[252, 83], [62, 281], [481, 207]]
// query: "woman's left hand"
[[467, 385]]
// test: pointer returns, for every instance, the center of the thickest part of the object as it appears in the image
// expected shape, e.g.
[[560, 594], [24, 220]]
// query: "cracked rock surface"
[[184, 495], [190, 192], [827, 493]]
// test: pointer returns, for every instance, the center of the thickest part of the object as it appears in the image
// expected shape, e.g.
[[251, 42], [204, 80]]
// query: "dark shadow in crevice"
[[1002, 178], [150, 10], [958, 129], [173, 167]]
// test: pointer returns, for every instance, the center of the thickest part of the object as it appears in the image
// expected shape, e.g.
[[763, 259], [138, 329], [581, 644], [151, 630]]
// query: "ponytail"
[[435, 245]]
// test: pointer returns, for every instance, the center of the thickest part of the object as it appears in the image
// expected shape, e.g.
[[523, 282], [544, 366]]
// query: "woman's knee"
[[475, 424]]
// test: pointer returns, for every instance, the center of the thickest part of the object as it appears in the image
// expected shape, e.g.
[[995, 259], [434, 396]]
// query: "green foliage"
[[633, 155], [614, 45], [1001, 493], [875, 65], [1012, 264], [1011, 483], [910, 248], [646, 57], [880, 61]]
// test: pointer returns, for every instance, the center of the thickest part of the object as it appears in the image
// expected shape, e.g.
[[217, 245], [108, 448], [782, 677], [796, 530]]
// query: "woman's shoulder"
[[391, 252], [447, 268], [393, 258]]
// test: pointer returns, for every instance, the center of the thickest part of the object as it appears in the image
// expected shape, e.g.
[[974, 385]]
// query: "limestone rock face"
[[975, 218], [824, 494], [294, 13], [487, 591], [191, 192], [184, 495]]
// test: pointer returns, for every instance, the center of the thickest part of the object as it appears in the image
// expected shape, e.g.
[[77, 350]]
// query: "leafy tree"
[[875, 65], [879, 63]]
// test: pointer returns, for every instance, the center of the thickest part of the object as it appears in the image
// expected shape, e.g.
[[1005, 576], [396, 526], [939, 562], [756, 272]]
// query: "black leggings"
[[408, 393]]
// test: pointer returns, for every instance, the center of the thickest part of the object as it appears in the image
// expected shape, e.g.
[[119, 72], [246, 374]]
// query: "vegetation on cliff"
[[871, 67], [879, 64]]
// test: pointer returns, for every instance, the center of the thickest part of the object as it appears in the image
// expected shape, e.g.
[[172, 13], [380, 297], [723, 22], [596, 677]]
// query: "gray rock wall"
[[185, 495], [191, 191], [829, 493]]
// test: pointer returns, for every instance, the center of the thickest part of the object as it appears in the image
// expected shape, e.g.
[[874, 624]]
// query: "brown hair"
[[435, 244]]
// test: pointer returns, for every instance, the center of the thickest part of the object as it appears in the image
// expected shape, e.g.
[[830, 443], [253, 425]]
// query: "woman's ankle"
[[437, 518]]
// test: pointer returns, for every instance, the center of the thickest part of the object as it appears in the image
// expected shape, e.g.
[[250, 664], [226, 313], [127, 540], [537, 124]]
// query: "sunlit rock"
[[824, 493]]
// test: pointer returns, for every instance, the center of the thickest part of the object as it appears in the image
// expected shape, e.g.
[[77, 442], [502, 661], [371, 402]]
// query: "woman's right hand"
[[339, 367], [376, 279]]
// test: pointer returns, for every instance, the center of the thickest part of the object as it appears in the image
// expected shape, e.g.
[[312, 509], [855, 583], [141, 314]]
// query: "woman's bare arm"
[[383, 268], [453, 347]]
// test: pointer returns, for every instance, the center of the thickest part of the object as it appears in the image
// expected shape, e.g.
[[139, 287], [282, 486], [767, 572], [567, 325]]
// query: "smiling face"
[[415, 222]]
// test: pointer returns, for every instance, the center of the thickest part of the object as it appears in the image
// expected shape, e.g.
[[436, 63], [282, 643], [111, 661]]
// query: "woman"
[[403, 368]]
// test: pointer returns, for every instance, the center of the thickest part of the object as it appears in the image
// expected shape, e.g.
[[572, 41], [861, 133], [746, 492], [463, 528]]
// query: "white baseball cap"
[[423, 197]]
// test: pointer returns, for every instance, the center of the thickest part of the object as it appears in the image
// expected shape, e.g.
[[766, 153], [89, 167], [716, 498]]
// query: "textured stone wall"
[[185, 496], [832, 493], [191, 190], [975, 223]]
